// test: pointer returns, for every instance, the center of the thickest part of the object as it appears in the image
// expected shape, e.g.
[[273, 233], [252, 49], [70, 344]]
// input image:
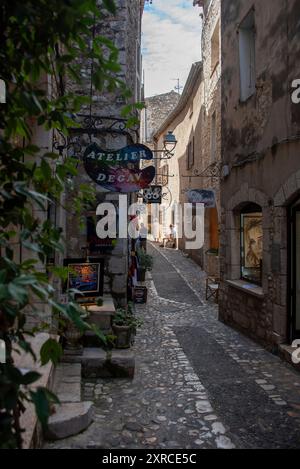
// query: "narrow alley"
[[198, 383]]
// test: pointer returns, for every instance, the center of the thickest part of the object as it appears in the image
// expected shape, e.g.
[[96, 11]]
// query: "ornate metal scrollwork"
[[212, 171], [92, 126]]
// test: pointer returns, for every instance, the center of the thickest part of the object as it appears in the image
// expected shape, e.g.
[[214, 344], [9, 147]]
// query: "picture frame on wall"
[[86, 277]]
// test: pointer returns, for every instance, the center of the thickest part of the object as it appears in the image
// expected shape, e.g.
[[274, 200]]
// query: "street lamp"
[[169, 145]]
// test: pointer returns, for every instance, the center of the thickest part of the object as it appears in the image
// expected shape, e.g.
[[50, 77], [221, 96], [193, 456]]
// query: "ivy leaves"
[[40, 42]]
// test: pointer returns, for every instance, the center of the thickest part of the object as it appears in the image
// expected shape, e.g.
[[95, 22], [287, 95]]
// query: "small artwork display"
[[253, 240], [85, 277]]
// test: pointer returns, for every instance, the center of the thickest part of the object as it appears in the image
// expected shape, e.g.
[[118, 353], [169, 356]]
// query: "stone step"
[[69, 419], [102, 316], [67, 382], [33, 435], [97, 363], [286, 352], [71, 416]]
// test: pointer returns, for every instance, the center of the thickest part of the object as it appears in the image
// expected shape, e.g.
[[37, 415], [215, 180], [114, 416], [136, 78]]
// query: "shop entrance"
[[295, 271]]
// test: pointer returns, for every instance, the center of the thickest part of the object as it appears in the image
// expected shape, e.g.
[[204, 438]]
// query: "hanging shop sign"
[[199, 196], [152, 195], [119, 171]]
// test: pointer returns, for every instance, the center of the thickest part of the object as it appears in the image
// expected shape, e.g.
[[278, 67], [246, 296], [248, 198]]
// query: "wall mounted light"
[[169, 145]]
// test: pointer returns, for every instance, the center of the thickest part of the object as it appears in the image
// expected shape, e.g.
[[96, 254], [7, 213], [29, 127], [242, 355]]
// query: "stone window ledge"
[[246, 287]]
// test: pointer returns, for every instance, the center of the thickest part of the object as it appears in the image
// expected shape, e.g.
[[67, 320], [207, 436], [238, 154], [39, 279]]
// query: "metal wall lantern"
[[169, 145]]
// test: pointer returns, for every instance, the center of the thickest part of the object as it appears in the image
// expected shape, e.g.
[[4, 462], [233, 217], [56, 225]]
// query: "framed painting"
[[86, 277]]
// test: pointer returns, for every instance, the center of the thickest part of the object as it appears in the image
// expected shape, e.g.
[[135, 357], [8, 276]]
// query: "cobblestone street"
[[198, 383]]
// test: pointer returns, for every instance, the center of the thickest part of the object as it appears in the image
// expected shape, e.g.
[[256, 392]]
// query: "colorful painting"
[[198, 196], [84, 277], [119, 171]]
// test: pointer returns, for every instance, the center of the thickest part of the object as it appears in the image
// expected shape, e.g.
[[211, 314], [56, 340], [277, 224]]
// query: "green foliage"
[[40, 39], [126, 317], [145, 260], [51, 350]]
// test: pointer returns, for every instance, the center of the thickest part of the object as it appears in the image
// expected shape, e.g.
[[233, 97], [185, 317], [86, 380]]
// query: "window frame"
[[255, 210], [245, 30]]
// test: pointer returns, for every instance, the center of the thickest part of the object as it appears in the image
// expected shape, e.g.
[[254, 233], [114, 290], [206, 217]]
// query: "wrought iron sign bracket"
[[212, 171], [92, 126]]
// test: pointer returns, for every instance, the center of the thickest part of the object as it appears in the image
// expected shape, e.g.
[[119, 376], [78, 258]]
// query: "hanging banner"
[[199, 196], [152, 195], [119, 171]]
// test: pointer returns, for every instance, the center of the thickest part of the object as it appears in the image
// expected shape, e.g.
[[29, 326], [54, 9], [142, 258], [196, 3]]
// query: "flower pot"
[[123, 336], [73, 338]]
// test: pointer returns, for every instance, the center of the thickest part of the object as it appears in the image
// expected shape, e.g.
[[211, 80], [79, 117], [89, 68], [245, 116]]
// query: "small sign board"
[[140, 295], [201, 196], [119, 171], [152, 195]]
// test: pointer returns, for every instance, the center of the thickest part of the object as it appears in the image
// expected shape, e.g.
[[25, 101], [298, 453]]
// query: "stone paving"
[[198, 383]]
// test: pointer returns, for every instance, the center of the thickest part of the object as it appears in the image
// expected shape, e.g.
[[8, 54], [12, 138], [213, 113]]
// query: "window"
[[213, 137], [215, 47], [247, 56], [191, 154], [251, 244]]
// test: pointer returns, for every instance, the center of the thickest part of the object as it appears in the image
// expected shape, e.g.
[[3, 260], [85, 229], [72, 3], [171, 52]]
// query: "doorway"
[[295, 271]]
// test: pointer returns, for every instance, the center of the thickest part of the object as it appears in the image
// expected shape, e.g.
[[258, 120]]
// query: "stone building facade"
[[196, 123], [260, 230], [210, 129], [107, 130], [185, 124], [157, 109]]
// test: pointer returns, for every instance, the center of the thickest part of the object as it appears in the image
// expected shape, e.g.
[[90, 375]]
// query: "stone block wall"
[[261, 145], [124, 30], [158, 108]]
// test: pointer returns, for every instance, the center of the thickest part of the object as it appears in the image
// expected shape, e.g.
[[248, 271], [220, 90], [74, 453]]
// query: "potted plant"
[[145, 263], [125, 324], [73, 335]]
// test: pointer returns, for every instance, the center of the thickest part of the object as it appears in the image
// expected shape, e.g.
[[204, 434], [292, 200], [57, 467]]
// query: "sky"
[[171, 42]]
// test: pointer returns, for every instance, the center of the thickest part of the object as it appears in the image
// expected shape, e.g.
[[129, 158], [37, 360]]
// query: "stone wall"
[[211, 109], [157, 109], [124, 30], [261, 146], [192, 122]]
